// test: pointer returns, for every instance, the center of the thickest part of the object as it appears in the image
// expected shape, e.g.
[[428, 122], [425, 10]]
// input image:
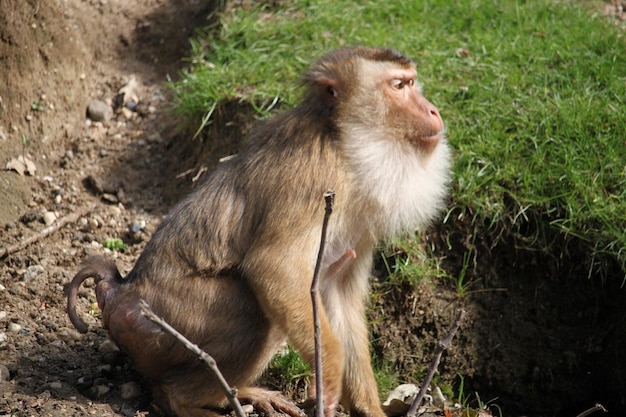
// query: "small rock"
[[9, 225], [87, 237], [128, 411], [5, 375], [101, 390], [93, 184], [55, 385], [131, 105], [31, 216], [247, 408], [84, 382], [104, 153], [127, 113], [3, 315], [108, 346], [32, 272], [94, 223], [68, 334], [99, 111], [111, 354], [137, 226], [110, 198], [49, 217], [130, 390], [3, 337], [14, 327]]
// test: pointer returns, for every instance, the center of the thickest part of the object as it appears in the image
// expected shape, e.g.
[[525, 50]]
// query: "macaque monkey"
[[231, 266]]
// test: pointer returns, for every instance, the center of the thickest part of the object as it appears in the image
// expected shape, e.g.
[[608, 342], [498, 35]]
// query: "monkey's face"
[[409, 111], [385, 101]]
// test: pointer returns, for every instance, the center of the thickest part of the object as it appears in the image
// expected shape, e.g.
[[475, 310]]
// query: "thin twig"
[[597, 407], [441, 346], [231, 393], [329, 197], [70, 218]]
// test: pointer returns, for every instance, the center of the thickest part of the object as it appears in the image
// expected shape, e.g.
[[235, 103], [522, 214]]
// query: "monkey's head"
[[392, 138], [376, 91]]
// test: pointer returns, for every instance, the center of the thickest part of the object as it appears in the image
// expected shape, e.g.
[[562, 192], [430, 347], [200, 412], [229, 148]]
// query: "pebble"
[[137, 226], [3, 314], [84, 382], [130, 390], [127, 113], [111, 354], [247, 408], [68, 334], [99, 111], [101, 390], [3, 337], [128, 411], [131, 105], [108, 346], [14, 327], [49, 217], [110, 198], [55, 385], [5, 375], [33, 272]]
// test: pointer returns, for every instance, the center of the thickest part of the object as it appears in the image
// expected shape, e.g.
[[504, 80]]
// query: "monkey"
[[231, 265]]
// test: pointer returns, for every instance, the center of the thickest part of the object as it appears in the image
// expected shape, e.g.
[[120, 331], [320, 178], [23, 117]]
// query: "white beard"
[[408, 187]]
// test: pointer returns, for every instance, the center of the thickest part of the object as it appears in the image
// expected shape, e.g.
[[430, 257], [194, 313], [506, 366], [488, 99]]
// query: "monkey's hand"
[[269, 402]]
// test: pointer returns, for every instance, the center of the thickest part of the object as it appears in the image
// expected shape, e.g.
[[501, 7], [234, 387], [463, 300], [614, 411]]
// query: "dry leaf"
[[21, 165]]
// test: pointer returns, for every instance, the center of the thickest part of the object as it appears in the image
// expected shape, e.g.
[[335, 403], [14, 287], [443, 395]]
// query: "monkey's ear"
[[329, 91]]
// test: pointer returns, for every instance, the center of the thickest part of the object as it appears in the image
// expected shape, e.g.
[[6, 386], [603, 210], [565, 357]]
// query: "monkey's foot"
[[269, 402]]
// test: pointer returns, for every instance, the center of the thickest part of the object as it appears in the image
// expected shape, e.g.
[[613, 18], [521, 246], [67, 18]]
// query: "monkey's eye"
[[398, 84]]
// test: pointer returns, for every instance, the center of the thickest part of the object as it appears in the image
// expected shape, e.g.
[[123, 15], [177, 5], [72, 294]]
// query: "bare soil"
[[540, 336]]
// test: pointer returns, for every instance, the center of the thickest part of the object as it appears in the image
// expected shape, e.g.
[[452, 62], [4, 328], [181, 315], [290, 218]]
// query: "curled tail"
[[105, 273]]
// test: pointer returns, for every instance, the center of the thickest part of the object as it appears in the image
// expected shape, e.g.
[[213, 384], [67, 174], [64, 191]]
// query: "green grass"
[[288, 371], [533, 93]]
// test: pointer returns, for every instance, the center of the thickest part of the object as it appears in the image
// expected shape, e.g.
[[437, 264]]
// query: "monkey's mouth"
[[430, 141]]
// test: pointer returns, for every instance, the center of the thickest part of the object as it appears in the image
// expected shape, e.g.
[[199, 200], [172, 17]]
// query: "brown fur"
[[231, 266]]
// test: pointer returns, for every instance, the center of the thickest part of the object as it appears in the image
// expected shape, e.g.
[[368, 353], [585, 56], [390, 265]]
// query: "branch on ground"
[[441, 346], [231, 393]]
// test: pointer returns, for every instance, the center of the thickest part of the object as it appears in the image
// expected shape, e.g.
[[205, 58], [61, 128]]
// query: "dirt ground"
[[540, 338]]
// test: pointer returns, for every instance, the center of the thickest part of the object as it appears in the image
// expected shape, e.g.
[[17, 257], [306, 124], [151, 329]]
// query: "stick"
[[597, 407], [231, 393], [329, 197], [70, 218], [434, 363]]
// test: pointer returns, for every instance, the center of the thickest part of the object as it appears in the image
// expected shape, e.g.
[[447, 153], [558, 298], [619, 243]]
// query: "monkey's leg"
[[344, 297], [283, 290], [220, 315]]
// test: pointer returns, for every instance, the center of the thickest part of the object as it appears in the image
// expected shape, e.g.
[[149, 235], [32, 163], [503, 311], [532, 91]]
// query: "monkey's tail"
[[98, 268]]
